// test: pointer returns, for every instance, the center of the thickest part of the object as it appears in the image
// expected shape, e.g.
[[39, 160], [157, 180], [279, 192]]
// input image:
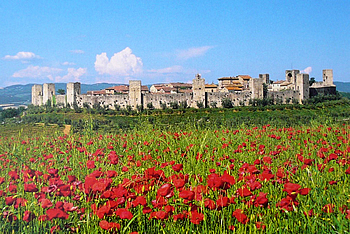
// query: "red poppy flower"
[[124, 213], [244, 192], [260, 225], [105, 225], [291, 188], [28, 216], [179, 183], [139, 201], [46, 203], [240, 216], [177, 167], [304, 191], [187, 194], [56, 213], [90, 164], [196, 218], [261, 200], [30, 188], [164, 190], [328, 208], [222, 202]]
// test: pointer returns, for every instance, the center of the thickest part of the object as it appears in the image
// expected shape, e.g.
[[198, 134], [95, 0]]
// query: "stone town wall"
[[109, 101], [237, 98], [61, 100], [158, 99], [286, 95], [321, 90]]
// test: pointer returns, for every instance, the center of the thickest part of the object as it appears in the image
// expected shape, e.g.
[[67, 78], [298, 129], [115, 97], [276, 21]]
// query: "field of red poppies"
[[261, 179]]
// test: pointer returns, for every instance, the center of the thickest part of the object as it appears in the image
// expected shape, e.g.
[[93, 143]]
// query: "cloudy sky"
[[160, 41]]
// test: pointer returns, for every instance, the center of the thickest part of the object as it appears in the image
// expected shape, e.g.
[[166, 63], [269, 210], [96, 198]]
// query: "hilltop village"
[[240, 90]]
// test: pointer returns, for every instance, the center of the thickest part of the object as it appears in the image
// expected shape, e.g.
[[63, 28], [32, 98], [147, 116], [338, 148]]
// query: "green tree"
[[61, 91], [312, 80], [226, 103]]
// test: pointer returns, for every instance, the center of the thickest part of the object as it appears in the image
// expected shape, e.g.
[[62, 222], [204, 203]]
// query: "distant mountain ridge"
[[22, 94]]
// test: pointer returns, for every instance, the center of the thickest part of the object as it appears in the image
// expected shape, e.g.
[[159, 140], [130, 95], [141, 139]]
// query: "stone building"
[[239, 89]]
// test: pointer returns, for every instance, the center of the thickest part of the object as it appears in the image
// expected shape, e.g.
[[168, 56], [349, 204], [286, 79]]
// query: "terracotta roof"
[[144, 88], [245, 77], [119, 88], [97, 92], [179, 85], [185, 91], [211, 86], [285, 83], [278, 82], [234, 88], [228, 78]]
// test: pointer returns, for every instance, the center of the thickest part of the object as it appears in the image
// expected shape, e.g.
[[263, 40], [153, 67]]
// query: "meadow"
[[251, 179], [194, 177]]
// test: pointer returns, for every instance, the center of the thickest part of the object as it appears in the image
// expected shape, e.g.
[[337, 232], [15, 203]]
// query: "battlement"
[[239, 89]]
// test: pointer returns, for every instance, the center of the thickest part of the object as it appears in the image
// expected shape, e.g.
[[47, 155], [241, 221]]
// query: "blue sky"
[[45, 41]]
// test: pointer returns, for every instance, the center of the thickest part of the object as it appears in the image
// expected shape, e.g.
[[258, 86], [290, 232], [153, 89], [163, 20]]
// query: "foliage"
[[200, 104], [226, 103], [61, 91]]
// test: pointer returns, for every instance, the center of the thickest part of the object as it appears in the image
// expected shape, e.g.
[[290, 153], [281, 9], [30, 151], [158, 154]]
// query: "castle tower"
[[265, 78], [257, 88], [37, 95], [291, 76], [198, 90], [328, 77], [302, 84], [73, 90], [135, 97], [48, 93]]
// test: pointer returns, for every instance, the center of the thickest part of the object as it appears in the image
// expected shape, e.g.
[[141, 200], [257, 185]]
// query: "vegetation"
[[248, 179]]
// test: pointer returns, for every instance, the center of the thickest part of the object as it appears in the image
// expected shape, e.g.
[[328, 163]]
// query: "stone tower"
[[302, 84], [73, 90], [48, 93], [257, 88], [37, 95], [291, 76], [198, 89], [265, 78], [135, 97], [328, 77]]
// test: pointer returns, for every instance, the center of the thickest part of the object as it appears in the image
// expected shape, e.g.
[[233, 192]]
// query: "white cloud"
[[68, 64], [307, 70], [22, 56], [36, 72], [123, 63], [193, 52], [77, 51], [72, 75]]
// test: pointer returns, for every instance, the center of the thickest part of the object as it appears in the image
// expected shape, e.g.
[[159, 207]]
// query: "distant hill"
[[22, 94], [342, 86]]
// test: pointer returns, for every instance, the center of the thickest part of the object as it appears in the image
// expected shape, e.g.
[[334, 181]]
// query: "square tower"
[[328, 77], [291, 76], [198, 89], [135, 97], [37, 95], [48, 93], [73, 90], [302, 84]]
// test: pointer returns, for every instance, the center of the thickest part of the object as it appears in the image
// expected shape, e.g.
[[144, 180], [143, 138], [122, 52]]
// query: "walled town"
[[240, 90]]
